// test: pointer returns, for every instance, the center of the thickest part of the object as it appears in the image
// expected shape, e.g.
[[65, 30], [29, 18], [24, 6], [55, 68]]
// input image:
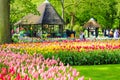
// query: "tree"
[[111, 14], [21, 8], [4, 22], [62, 3], [73, 11]]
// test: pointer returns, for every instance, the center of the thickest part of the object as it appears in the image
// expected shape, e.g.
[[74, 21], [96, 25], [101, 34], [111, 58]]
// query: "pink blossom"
[[36, 75], [82, 78], [11, 70], [75, 73]]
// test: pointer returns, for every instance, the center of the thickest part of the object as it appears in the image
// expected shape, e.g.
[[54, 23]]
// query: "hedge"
[[87, 58]]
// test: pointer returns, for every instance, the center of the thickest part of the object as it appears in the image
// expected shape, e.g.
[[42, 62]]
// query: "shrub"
[[87, 58]]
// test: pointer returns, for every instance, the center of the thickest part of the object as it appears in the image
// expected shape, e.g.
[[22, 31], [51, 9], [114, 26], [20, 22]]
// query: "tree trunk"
[[4, 22], [62, 3], [72, 20]]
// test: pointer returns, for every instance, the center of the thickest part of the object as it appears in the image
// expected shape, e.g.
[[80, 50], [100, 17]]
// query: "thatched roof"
[[29, 19], [92, 24], [48, 15]]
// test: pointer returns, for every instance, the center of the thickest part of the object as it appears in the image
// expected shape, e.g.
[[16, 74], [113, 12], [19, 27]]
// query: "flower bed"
[[34, 67], [56, 46], [74, 52]]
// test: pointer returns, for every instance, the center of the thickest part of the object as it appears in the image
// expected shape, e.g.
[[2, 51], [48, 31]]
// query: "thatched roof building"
[[28, 20], [48, 15], [91, 24]]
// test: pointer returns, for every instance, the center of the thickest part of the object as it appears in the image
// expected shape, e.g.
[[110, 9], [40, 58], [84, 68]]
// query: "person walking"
[[82, 36], [116, 34]]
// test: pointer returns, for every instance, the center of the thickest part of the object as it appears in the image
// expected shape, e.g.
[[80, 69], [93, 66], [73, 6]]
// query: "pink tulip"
[[75, 73], [4, 71], [8, 77], [82, 78], [18, 77], [70, 78], [1, 76], [11, 70]]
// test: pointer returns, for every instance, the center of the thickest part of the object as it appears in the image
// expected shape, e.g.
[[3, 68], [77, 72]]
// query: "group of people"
[[109, 33], [112, 33]]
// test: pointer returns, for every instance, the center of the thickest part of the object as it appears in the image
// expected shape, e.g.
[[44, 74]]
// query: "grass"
[[100, 72]]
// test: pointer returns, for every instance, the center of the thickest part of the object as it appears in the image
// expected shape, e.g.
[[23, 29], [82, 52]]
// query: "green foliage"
[[15, 38], [77, 29], [20, 8], [87, 58], [104, 11], [68, 27], [3, 65], [116, 23]]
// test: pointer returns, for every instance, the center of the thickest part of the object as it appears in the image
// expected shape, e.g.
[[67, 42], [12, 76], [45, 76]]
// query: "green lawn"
[[100, 72]]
